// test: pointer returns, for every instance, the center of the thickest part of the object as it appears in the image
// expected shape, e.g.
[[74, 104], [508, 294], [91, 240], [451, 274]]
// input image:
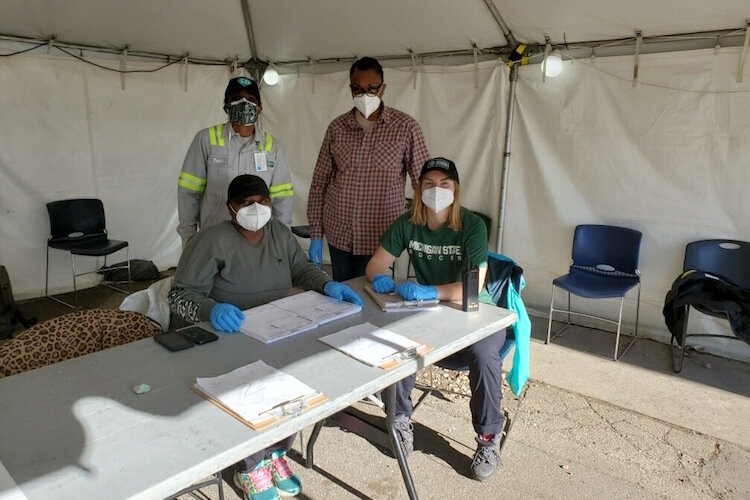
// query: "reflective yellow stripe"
[[191, 182], [220, 134], [280, 187], [282, 194], [269, 143], [216, 135], [281, 190]]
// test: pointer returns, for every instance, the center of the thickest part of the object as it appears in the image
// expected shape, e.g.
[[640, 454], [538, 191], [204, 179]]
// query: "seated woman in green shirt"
[[439, 236], [238, 264]]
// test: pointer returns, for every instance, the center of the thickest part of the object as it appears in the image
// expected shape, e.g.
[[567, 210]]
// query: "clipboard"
[[402, 357], [394, 303], [375, 346], [272, 416]]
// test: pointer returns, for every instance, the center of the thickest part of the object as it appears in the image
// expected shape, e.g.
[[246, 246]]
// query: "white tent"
[[664, 149]]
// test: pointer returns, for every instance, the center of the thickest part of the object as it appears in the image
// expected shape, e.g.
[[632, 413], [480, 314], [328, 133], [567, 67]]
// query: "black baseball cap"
[[443, 164], [244, 186], [237, 85]]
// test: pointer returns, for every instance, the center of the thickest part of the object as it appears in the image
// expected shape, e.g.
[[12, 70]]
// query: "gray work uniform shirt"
[[216, 156], [219, 265]]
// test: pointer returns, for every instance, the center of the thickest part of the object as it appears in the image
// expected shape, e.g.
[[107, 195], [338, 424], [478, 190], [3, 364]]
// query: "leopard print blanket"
[[72, 335]]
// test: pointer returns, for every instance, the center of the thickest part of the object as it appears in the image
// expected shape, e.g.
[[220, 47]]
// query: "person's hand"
[[383, 284], [226, 317], [316, 251], [414, 291], [340, 291]]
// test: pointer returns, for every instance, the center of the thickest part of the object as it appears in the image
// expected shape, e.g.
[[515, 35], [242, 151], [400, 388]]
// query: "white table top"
[[77, 430]]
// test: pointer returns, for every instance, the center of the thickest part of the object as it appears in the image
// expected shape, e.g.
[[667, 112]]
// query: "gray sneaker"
[[405, 433], [486, 459]]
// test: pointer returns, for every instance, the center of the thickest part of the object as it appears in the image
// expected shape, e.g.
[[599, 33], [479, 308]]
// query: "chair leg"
[[46, 276], [130, 276], [75, 289], [637, 310], [678, 351], [619, 326], [551, 310], [568, 309], [220, 485]]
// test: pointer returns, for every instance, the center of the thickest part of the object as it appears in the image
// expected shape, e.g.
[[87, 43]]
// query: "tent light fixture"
[[270, 76], [553, 64]]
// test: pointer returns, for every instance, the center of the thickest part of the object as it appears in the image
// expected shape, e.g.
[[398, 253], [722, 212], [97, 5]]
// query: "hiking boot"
[[486, 458], [257, 484], [284, 479], [405, 434]]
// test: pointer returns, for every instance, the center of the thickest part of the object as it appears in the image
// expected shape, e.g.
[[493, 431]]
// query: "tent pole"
[[513, 77]]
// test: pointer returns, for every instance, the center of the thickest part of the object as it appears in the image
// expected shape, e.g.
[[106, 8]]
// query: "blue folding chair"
[[728, 259], [605, 265]]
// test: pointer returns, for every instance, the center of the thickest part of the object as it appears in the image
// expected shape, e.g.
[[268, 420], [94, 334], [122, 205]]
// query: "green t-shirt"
[[438, 256]]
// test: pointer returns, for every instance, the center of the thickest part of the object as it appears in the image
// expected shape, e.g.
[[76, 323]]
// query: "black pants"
[[346, 265], [485, 380]]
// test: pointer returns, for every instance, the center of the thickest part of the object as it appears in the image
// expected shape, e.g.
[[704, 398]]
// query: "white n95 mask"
[[366, 104], [437, 198], [253, 217]]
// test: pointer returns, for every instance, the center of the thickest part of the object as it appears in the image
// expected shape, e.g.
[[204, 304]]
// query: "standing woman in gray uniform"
[[236, 265], [220, 153]]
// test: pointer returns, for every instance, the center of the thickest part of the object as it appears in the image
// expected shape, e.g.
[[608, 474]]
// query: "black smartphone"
[[173, 341], [197, 335]]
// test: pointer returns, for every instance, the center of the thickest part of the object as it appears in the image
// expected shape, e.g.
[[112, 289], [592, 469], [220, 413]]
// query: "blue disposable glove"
[[414, 291], [316, 251], [383, 284], [226, 317], [340, 291]]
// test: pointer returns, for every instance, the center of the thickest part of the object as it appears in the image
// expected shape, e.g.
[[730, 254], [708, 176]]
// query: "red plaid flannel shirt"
[[357, 189]]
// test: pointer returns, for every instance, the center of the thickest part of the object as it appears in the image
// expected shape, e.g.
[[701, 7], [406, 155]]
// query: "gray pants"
[[485, 380], [253, 460]]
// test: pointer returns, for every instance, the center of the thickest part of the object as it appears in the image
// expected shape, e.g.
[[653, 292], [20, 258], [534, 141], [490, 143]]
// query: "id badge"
[[260, 161]]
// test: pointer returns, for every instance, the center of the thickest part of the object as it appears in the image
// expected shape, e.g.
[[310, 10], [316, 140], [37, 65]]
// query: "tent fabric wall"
[[590, 148], [70, 131], [587, 147]]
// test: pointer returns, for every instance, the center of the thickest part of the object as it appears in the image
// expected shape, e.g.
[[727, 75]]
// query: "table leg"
[[390, 420], [311, 444]]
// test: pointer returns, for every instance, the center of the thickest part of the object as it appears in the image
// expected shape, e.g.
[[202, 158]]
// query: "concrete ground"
[[587, 428]]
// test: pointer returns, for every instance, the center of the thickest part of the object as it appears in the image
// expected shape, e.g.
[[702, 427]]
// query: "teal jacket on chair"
[[503, 288]]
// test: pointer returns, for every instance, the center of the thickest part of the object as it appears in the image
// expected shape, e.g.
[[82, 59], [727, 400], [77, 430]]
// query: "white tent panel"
[[584, 20], [86, 137], [590, 148], [70, 131]]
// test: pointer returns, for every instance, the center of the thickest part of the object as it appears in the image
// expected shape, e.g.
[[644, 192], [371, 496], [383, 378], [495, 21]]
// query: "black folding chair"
[[728, 259], [77, 226]]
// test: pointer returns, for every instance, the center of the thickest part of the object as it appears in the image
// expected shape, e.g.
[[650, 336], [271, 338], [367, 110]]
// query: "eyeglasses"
[[371, 91]]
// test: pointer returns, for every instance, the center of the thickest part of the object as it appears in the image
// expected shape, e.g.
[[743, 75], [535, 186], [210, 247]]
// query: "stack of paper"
[[257, 393], [373, 345], [292, 315]]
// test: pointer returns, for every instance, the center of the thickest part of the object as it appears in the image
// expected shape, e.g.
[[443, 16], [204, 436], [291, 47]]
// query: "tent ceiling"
[[299, 29], [587, 20]]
